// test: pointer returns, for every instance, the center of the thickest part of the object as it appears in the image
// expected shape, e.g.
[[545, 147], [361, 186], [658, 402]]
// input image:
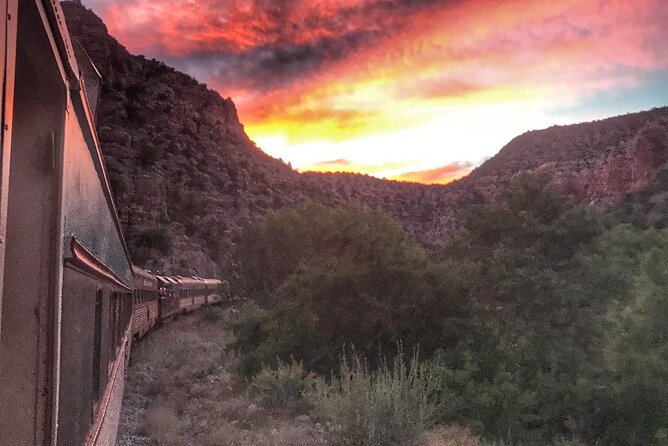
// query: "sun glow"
[[417, 91]]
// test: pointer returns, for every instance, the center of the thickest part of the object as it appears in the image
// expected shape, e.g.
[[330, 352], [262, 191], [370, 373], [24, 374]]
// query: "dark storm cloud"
[[271, 66], [264, 44]]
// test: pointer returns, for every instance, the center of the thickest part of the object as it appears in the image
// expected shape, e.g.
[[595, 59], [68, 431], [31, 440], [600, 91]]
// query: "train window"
[[115, 322], [97, 342], [112, 324]]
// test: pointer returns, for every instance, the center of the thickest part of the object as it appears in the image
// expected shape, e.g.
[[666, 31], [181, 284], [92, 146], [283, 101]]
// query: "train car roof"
[[190, 281], [166, 280], [144, 275]]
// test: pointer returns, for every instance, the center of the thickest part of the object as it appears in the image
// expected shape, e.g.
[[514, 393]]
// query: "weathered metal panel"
[[8, 29], [92, 357], [76, 404], [55, 178], [30, 279], [144, 280], [87, 214], [105, 429], [90, 77]]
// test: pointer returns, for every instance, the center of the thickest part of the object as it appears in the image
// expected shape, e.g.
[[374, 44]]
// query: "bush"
[[212, 315], [284, 384], [334, 277], [634, 406], [391, 406], [151, 239], [250, 330], [293, 241]]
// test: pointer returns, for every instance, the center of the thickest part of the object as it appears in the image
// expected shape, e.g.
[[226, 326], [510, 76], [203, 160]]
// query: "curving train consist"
[[70, 300], [158, 299]]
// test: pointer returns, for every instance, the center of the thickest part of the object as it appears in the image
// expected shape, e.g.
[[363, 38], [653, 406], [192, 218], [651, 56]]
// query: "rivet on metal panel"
[[6, 126]]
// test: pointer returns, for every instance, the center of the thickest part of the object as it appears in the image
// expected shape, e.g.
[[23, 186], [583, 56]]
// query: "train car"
[[144, 301], [168, 298], [65, 274], [214, 291], [192, 293]]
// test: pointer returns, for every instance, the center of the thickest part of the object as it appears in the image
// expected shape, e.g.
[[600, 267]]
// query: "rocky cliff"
[[596, 163], [187, 178]]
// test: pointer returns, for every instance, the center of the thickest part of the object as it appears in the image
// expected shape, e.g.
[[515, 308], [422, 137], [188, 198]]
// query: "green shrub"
[[212, 315], [149, 239], [333, 277], [391, 406], [283, 385], [250, 329]]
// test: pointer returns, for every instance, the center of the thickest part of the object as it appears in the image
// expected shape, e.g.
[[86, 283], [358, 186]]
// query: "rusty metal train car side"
[[214, 291], [70, 300], [66, 275], [192, 293], [168, 306], [145, 302]]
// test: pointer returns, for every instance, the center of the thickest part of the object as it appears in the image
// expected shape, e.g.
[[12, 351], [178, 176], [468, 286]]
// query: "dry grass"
[[452, 436], [181, 390], [391, 406]]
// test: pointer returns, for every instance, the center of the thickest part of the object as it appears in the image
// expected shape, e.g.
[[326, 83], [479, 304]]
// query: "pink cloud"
[[440, 175]]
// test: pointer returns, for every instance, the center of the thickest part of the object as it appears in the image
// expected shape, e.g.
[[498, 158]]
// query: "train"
[[71, 301], [158, 299]]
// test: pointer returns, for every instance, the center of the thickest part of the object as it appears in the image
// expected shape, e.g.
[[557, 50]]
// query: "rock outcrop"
[[596, 163]]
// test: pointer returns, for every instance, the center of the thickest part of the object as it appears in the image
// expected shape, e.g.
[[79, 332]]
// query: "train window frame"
[[97, 347]]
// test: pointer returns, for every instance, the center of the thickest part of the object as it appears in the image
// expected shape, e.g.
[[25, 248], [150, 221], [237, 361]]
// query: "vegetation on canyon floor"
[[540, 321], [539, 324]]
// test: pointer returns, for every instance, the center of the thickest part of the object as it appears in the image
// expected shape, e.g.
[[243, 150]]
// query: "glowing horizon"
[[420, 90]]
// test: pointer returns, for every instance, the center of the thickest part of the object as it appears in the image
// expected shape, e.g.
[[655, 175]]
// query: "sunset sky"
[[420, 90]]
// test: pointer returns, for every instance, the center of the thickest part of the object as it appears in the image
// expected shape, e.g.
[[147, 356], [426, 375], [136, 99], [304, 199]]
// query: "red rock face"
[[629, 168], [595, 164]]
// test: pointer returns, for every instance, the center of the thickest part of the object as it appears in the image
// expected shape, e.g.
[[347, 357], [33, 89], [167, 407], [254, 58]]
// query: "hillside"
[[595, 163], [187, 178], [184, 172]]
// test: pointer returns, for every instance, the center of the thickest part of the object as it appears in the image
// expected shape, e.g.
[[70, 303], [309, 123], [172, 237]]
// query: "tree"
[[336, 278]]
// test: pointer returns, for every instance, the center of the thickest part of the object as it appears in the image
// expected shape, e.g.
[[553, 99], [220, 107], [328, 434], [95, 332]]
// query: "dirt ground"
[[181, 389]]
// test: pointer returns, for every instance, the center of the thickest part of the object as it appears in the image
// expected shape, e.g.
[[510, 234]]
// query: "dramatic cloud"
[[397, 87], [344, 165], [440, 175]]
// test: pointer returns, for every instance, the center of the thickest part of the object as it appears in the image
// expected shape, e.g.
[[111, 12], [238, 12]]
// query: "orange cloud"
[[386, 84], [440, 175], [175, 27], [344, 165]]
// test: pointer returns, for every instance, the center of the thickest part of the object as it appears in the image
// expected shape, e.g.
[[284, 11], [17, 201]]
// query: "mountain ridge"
[[187, 178]]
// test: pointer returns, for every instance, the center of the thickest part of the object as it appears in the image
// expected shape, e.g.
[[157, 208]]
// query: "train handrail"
[[84, 260]]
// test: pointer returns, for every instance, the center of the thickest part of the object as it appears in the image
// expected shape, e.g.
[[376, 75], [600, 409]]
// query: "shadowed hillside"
[[187, 178]]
